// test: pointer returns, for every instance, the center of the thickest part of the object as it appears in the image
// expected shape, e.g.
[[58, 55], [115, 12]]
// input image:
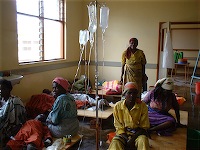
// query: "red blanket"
[[33, 131], [39, 104]]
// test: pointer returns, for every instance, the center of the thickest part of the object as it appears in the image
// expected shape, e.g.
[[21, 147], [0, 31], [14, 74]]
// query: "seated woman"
[[62, 120], [34, 134], [131, 121], [12, 112], [160, 100]]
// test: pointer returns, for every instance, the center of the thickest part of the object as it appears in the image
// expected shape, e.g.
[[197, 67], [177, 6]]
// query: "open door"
[[185, 37]]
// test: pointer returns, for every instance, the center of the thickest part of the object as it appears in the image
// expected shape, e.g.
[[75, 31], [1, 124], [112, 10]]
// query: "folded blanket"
[[112, 85]]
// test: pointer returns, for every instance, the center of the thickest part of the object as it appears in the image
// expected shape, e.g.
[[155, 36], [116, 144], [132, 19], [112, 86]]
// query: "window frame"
[[42, 19]]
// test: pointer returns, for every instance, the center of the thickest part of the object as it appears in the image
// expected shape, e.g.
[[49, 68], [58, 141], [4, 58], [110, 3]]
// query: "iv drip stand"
[[96, 84], [93, 30]]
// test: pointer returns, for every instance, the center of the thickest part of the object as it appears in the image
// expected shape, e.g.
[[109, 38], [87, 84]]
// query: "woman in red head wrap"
[[62, 120], [133, 66]]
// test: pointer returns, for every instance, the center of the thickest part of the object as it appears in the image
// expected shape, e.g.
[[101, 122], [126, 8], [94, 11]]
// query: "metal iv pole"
[[93, 23]]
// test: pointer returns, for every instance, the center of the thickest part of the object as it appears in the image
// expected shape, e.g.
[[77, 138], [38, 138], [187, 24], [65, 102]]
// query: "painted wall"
[[39, 75], [140, 19], [35, 83], [9, 35], [127, 19]]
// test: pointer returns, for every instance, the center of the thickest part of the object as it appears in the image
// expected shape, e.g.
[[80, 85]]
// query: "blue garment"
[[63, 116]]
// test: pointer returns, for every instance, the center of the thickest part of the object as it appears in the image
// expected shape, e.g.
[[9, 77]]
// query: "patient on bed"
[[84, 101], [34, 134], [81, 85]]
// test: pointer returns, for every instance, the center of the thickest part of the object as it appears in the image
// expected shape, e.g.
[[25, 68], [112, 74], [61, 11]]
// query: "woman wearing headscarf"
[[133, 66], [160, 100], [131, 121], [62, 120]]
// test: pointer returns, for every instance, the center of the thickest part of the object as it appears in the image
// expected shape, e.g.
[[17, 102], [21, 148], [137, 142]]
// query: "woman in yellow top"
[[133, 65], [131, 121]]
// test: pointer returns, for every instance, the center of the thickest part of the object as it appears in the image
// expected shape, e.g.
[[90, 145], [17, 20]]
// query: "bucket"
[[197, 88], [110, 136]]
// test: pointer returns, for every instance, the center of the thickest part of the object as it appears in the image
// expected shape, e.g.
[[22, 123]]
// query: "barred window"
[[40, 28]]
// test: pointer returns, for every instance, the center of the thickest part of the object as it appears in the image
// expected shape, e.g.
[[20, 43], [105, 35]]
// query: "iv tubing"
[[85, 71], [82, 50], [90, 53]]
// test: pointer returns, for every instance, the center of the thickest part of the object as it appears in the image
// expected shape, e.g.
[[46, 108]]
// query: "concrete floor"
[[191, 105]]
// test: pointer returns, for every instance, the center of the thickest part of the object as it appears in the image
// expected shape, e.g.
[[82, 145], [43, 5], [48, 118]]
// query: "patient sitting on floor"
[[160, 100], [34, 134]]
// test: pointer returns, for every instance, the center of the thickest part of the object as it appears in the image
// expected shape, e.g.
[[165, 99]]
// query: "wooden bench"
[[58, 142], [74, 140]]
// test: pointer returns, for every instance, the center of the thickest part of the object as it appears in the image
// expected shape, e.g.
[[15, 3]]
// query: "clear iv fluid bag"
[[92, 18], [83, 37], [104, 15], [91, 38], [92, 26]]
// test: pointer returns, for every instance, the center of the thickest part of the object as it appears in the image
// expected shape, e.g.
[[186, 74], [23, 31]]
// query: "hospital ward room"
[[99, 75]]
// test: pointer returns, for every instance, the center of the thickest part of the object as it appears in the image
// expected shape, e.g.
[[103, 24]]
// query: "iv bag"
[[104, 14], [92, 18], [83, 37], [91, 39]]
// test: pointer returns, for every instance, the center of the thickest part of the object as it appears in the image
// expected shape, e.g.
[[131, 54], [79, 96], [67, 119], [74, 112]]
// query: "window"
[[40, 27]]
